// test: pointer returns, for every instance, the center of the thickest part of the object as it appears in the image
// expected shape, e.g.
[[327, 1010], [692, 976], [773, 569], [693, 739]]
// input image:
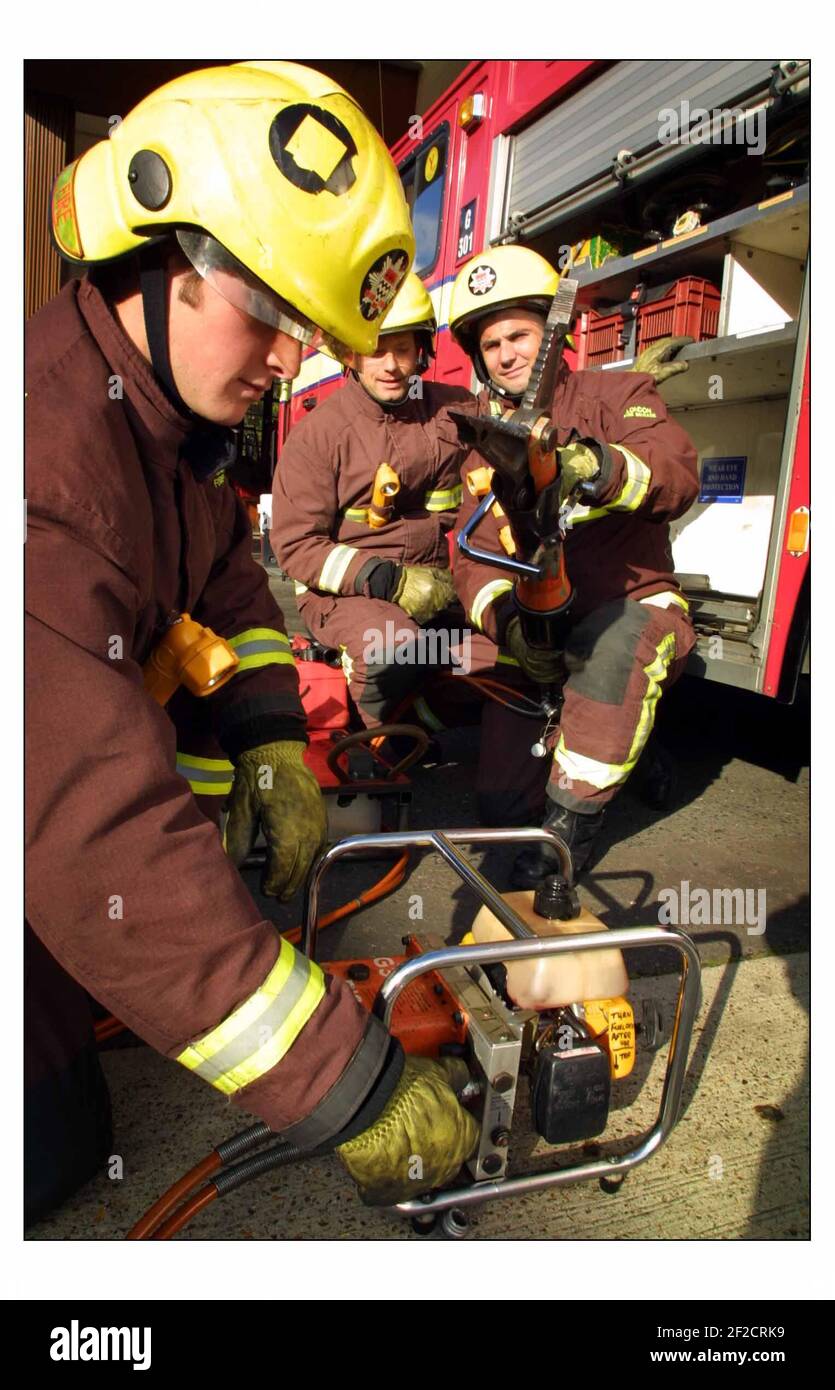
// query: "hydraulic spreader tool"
[[521, 448]]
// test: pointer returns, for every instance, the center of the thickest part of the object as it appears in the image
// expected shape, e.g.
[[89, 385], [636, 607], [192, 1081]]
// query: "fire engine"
[[677, 192]]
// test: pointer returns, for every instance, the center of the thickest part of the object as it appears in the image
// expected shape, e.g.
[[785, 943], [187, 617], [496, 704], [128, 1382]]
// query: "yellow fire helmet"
[[267, 170], [412, 310], [502, 277]]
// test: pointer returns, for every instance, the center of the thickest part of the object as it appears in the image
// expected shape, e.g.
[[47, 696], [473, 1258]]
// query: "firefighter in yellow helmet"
[[627, 469], [234, 215], [364, 498]]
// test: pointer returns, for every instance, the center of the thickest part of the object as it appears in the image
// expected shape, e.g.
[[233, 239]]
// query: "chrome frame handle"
[[443, 841]]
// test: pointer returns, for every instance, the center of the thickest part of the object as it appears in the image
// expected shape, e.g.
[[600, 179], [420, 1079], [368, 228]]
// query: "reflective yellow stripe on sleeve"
[[444, 499], [261, 646], [336, 567], [636, 486], [255, 1037], [485, 596], [604, 775], [206, 776], [629, 499]]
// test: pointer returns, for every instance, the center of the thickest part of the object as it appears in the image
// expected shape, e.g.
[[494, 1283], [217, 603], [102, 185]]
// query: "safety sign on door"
[[722, 480]]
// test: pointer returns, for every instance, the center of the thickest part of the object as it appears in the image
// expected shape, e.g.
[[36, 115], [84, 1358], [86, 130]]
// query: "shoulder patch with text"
[[643, 411]]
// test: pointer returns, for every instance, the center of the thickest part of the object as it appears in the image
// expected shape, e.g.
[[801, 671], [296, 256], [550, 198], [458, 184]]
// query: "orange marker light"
[[797, 541], [472, 111]]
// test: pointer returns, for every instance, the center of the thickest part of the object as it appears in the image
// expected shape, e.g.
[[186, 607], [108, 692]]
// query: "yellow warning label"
[[315, 148], [613, 1024]]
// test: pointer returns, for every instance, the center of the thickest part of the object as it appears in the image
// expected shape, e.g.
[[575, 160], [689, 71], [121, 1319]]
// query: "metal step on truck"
[[678, 193]]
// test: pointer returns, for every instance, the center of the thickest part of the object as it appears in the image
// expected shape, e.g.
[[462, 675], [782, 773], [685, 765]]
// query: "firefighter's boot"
[[578, 829]]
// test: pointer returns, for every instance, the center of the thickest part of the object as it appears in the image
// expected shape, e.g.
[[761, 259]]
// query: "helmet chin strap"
[[208, 448], [153, 282]]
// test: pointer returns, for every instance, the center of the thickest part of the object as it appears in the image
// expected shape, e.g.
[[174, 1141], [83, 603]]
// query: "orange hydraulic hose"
[[194, 1204], [386, 884], [146, 1224], [489, 686]]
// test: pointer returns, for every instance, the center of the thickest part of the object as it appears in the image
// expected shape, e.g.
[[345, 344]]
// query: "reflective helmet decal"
[[382, 283], [64, 220], [482, 279], [313, 149]]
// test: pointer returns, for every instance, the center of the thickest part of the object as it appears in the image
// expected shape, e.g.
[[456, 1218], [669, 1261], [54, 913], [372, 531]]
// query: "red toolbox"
[[687, 308], [599, 337]]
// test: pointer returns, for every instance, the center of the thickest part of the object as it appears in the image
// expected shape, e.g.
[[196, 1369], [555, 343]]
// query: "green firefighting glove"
[[275, 791], [545, 668], [420, 1139], [656, 359], [580, 466], [424, 590]]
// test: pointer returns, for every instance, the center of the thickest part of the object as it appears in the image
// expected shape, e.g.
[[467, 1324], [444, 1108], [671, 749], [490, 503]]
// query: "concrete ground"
[[736, 1166]]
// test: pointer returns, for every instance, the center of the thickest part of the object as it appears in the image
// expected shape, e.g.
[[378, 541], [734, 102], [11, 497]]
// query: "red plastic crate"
[[690, 308], [599, 339]]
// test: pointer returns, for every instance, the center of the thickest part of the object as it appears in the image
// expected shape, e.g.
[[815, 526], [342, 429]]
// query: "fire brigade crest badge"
[[382, 283], [482, 279]]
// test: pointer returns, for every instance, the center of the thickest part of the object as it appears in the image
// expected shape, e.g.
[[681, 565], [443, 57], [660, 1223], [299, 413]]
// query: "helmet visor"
[[244, 290]]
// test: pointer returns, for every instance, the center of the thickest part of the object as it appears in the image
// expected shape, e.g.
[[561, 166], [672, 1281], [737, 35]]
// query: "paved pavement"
[[736, 1167]]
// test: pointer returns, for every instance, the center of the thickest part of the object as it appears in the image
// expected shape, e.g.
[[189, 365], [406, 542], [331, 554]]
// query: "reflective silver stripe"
[[252, 1039], [261, 646], [202, 775], [299, 587], [259, 639], [336, 567], [264, 645], [485, 596], [206, 776], [668, 597]]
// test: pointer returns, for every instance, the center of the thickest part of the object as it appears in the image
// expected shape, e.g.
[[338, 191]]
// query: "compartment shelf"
[[751, 365], [779, 224]]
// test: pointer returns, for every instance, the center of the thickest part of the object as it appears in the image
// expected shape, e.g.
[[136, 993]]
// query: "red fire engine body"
[[666, 182]]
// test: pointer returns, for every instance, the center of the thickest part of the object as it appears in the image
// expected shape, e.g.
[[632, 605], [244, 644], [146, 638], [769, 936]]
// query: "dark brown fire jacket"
[[617, 546], [324, 483], [127, 883]]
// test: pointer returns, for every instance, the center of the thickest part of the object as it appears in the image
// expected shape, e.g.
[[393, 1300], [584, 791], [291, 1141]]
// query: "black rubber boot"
[[654, 779], [579, 832]]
